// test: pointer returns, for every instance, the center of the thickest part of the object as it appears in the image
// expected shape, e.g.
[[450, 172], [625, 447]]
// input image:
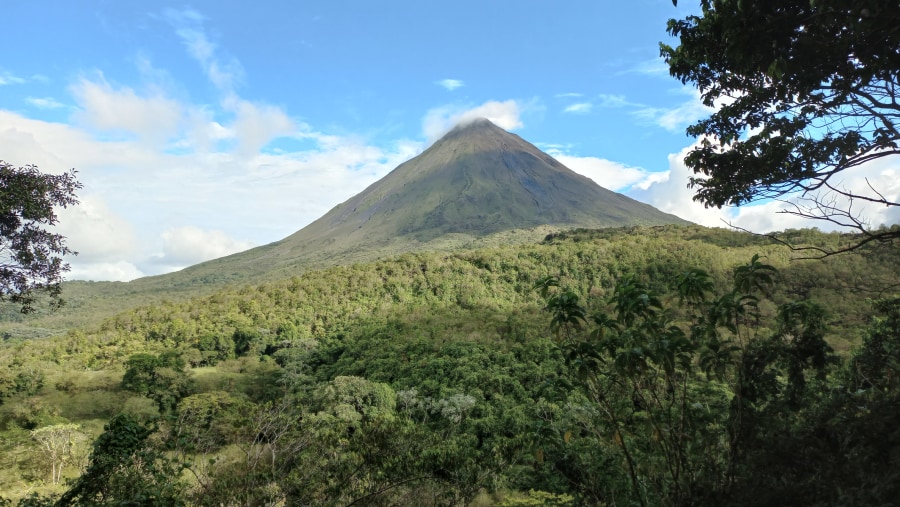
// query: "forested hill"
[[596, 367], [500, 280]]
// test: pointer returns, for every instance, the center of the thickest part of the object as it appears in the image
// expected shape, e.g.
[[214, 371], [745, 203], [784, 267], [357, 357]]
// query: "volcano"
[[477, 186], [477, 180]]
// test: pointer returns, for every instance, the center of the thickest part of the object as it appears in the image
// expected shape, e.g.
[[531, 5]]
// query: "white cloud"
[[440, 120], [102, 240], [146, 192], [651, 178], [7, 78], [95, 232], [155, 117], [613, 101], [677, 118], [203, 132], [606, 173], [255, 125], [187, 245], [579, 108], [604, 100], [569, 95], [45, 102], [188, 24], [450, 84], [882, 174], [670, 194], [653, 67], [120, 271], [211, 191]]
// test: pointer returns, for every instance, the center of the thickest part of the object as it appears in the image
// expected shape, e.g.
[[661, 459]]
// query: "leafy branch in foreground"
[[30, 255], [807, 99]]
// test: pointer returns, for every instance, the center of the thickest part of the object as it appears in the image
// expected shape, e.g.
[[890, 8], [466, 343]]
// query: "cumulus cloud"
[[882, 174], [187, 245], [606, 173], [256, 124], [440, 120], [102, 239], [669, 192], [146, 192], [95, 232], [153, 117], [450, 84], [579, 108], [119, 271]]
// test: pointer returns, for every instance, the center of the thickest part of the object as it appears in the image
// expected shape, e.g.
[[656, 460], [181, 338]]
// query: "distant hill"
[[476, 186]]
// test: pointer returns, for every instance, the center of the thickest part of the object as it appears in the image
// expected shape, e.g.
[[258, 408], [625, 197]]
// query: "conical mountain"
[[477, 180]]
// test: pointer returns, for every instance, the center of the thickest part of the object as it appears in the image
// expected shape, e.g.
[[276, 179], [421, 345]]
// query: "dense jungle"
[[672, 365]]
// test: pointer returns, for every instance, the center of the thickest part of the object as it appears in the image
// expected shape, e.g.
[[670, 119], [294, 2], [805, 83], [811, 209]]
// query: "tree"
[[30, 255], [806, 90], [161, 378], [58, 442], [125, 468]]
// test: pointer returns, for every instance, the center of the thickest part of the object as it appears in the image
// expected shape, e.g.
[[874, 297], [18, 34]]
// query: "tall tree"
[[30, 255], [806, 91]]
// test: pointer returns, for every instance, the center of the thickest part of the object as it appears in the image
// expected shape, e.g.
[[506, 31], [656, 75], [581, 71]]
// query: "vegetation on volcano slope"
[[441, 380]]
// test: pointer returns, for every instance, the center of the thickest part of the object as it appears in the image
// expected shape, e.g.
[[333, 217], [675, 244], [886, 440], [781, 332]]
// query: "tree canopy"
[[30, 255], [805, 90]]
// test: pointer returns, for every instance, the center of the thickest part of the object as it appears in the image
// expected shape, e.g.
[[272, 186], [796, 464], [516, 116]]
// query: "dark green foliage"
[[31, 261], [215, 347], [805, 90], [426, 379], [25, 382], [876, 366], [841, 446], [766, 425], [161, 378], [126, 470]]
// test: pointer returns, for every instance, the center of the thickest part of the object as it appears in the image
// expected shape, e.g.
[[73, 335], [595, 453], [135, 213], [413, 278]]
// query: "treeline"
[[650, 366]]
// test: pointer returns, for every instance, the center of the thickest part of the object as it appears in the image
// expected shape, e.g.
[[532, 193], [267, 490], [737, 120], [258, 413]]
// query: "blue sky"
[[206, 128]]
